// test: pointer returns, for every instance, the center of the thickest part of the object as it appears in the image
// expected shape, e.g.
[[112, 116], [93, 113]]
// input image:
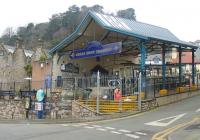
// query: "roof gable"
[[11, 49]]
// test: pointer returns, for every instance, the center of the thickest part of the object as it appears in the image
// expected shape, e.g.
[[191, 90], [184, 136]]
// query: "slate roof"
[[11, 49]]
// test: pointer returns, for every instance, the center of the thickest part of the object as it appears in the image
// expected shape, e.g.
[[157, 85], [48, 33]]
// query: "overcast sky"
[[182, 17]]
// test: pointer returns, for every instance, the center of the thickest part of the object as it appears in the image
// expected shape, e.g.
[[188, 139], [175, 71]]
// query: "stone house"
[[13, 59]]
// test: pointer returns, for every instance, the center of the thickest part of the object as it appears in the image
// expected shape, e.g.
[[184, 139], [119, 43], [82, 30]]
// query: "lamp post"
[[28, 99]]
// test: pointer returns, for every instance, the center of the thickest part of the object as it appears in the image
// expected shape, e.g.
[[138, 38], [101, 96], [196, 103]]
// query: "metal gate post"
[[98, 92], [193, 68], [139, 91]]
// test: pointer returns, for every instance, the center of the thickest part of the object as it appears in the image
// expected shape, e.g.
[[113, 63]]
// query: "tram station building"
[[118, 47]]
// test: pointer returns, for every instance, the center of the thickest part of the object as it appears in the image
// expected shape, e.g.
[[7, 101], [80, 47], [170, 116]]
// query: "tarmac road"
[[143, 126]]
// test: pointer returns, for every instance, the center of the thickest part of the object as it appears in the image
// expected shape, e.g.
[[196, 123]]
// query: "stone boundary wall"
[[15, 109], [58, 110], [12, 109], [164, 100], [81, 111], [53, 110], [168, 99], [149, 104]]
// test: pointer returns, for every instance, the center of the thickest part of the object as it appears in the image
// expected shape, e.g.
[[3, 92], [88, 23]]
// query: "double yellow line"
[[163, 134]]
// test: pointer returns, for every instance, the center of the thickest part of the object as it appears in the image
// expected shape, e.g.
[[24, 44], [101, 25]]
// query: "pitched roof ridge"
[[91, 11]]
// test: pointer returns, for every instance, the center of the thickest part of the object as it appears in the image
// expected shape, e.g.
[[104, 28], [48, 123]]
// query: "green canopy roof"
[[124, 26]]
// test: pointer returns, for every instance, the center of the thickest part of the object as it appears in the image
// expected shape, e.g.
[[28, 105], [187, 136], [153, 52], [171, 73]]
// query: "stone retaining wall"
[[149, 104], [12, 109], [164, 100], [15, 109], [53, 110], [81, 111]]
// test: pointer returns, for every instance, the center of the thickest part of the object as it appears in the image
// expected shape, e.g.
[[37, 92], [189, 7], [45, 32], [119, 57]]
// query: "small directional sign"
[[114, 83], [166, 121]]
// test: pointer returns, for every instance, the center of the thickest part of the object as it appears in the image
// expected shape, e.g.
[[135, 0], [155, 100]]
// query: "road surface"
[[142, 127]]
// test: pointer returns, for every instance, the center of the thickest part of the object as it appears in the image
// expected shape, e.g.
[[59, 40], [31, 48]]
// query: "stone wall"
[[81, 111], [59, 110], [12, 109], [149, 104], [176, 97], [53, 110]]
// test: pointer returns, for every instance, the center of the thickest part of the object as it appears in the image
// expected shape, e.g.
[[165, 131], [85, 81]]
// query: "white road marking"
[[125, 131], [141, 133], [101, 129], [160, 123], [76, 125], [96, 126], [89, 127], [115, 132], [111, 128], [83, 124], [79, 124], [133, 136], [65, 124], [198, 110]]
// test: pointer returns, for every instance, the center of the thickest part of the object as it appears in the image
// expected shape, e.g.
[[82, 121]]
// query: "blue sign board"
[[95, 49]]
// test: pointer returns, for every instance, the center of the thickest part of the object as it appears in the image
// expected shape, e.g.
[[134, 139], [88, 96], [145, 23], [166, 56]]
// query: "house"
[[41, 67], [13, 59]]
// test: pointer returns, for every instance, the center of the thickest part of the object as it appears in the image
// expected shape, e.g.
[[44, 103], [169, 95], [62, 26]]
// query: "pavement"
[[167, 121]]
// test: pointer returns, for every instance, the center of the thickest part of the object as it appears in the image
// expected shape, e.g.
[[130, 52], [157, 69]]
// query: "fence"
[[86, 87]]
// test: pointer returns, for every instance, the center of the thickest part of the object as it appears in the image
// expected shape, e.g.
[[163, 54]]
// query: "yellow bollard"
[[180, 89], [163, 91]]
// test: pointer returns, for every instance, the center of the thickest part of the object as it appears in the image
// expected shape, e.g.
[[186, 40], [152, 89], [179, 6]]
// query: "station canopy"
[[107, 29]]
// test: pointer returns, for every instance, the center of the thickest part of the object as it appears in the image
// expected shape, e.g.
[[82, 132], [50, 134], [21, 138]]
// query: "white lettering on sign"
[[162, 122]]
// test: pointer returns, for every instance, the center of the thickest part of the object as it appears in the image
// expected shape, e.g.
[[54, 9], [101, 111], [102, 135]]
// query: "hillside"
[[59, 26]]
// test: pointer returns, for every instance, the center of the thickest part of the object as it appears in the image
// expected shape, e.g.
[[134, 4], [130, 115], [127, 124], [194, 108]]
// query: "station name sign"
[[95, 49]]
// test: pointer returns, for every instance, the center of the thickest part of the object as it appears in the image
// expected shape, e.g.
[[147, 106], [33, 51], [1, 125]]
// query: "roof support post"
[[142, 65], [193, 67], [163, 68], [94, 31], [180, 66]]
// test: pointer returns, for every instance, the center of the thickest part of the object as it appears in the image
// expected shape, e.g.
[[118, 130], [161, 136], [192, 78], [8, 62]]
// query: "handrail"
[[86, 107]]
